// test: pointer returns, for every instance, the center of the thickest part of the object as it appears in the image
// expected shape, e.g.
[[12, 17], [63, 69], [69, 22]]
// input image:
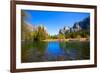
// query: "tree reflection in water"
[[54, 51]]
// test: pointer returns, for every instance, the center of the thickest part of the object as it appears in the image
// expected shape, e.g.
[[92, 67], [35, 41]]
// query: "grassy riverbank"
[[69, 39]]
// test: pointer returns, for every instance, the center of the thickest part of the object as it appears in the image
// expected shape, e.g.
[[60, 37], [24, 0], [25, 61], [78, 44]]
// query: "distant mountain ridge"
[[78, 26]]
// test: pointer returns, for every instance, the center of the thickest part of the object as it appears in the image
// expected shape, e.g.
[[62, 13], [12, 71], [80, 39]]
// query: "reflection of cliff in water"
[[78, 50]]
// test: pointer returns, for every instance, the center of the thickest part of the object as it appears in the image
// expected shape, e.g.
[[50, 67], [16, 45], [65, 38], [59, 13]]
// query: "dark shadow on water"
[[54, 51]]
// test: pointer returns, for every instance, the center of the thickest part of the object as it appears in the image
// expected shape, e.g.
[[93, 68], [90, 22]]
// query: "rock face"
[[78, 26], [85, 24], [65, 29]]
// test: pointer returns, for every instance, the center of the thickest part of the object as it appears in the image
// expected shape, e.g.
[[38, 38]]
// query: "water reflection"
[[33, 51], [77, 50], [54, 51]]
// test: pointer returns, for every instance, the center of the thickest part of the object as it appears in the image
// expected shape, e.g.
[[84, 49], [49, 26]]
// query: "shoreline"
[[70, 39]]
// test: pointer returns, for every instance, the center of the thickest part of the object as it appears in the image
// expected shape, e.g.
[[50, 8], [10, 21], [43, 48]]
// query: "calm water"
[[54, 51]]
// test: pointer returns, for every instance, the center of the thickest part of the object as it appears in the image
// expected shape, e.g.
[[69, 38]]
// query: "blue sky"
[[52, 20]]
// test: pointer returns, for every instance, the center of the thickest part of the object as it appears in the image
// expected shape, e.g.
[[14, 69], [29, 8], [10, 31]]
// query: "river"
[[54, 51]]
